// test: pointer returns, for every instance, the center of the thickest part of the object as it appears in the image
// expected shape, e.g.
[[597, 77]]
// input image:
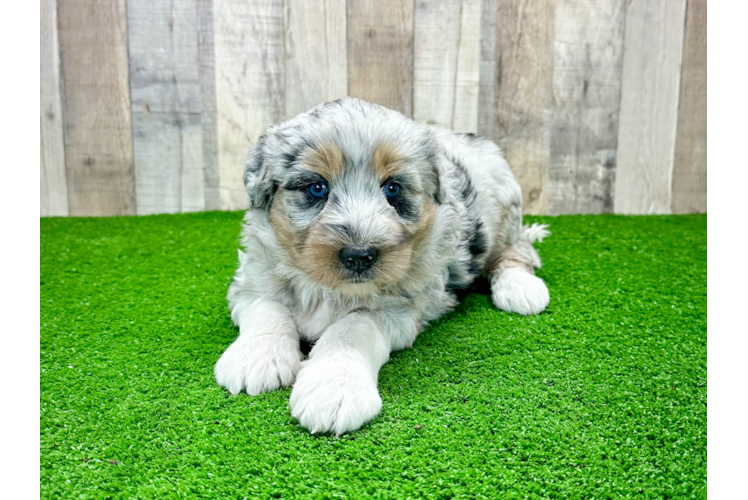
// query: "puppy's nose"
[[358, 259]]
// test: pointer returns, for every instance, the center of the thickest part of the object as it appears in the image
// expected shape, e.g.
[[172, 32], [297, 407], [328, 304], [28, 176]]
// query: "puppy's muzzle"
[[358, 260]]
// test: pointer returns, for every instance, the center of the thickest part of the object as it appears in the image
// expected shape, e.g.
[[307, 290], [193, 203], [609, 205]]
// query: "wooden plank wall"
[[54, 184], [150, 106]]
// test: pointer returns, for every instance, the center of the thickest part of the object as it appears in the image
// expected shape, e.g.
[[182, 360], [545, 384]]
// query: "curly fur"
[[458, 217]]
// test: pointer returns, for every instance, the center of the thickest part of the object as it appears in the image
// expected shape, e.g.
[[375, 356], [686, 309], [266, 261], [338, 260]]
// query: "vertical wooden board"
[[652, 56], [487, 90], [206, 54], [316, 56], [250, 85], [588, 51], [380, 52], [166, 105], [54, 185], [435, 52], [467, 79], [96, 105], [524, 93], [446, 64], [689, 173]]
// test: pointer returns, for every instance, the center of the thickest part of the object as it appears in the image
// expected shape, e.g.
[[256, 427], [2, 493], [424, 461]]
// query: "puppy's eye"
[[391, 190], [318, 190]]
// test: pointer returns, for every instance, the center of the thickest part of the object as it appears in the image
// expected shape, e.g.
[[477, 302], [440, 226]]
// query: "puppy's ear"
[[258, 178], [438, 170]]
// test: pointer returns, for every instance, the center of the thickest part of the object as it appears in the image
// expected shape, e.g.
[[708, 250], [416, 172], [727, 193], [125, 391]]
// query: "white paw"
[[258, 364], [334, 395], [516, 290]]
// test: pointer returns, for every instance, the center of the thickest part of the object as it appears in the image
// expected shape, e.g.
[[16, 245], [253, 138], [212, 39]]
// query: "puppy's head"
[[351, 190]]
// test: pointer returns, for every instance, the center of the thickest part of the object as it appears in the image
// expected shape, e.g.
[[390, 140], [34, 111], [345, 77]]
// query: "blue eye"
[[318, 190], [391, 189]]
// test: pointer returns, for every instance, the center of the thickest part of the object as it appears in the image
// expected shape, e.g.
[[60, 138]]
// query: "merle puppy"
[[362, 224]]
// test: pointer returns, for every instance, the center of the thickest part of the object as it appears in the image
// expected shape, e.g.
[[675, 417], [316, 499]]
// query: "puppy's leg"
[[266, 355], [336, 389], [514, 286]]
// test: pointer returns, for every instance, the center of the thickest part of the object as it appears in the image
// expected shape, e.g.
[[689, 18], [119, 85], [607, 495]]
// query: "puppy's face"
[[352, 226], [352, 209]]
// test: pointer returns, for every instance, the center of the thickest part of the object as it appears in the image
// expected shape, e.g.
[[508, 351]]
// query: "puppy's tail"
[[529, 235], [534, 233]]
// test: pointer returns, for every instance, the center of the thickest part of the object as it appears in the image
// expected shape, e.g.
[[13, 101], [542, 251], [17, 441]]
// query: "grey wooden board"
[[487, 90], [250, 85], [380, 52], [524, 94], [206, 54], [166, 106], [446, 64], [316, 56], [54, 185], [588, 50], [652, 56], [96, 107], [689, 173]]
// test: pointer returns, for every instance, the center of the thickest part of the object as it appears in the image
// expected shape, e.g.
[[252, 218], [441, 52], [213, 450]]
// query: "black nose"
[[358, 259]]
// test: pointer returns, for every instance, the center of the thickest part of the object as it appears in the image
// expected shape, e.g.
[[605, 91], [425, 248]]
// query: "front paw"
[[334, 395], [516, 290], [258, 364]]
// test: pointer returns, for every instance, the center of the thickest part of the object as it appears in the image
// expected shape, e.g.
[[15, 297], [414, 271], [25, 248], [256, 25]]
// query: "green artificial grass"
[[602, 396]]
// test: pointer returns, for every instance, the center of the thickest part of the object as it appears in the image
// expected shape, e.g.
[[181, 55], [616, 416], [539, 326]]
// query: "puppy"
[[362, 225]]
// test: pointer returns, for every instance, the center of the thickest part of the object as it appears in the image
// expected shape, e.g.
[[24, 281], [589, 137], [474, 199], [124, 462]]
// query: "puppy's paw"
[[334, 395], [516, 290], [258, 364]]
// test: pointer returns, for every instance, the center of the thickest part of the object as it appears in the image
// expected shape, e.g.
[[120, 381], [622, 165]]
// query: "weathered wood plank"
[[467, 81], [380, 52], [250, 84], [206, 54], [524, 94], [316, 56], [54, 184], [166, 106], [487, 90], [96, 106], [446, 64], [689, 174], [588, 51], [652, 56]]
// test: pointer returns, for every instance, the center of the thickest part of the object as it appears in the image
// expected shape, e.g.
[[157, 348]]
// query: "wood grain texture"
[[54, 185], [689, 172], [250, 85], [524, 94], [316, 54], [487, 90], [206, 55], [446, 63], [96, 106], [380, 52], [588, 51], [166, 106], [652, 56]]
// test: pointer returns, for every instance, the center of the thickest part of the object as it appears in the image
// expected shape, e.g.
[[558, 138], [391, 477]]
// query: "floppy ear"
[[257, 177], [438, 171]]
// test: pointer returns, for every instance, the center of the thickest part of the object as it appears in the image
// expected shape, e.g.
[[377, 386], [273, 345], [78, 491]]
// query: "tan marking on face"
[[326, 160], [287, 236], [398, 261], [387, 161], [418, 245], [319, 258], [314, 253], [425, 224], [393, 265]]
